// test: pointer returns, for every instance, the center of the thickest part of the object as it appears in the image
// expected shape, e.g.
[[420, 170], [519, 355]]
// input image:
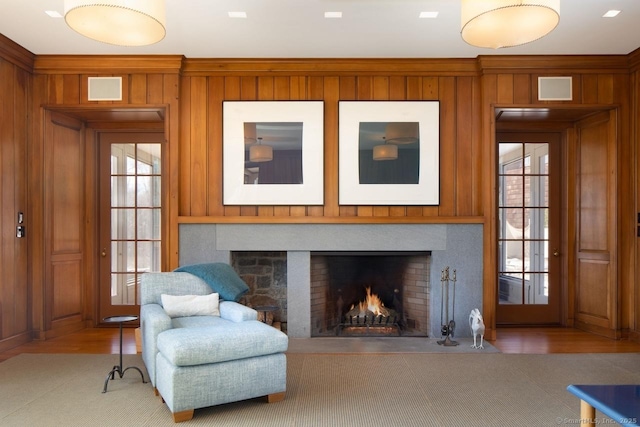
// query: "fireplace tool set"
[[448, 324]]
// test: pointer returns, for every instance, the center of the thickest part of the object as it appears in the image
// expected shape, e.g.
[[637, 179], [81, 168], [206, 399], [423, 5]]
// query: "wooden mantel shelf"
[[329, 220]]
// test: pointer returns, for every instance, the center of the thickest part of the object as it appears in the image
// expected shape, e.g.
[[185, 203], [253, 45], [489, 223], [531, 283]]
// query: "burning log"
[[371, 311]]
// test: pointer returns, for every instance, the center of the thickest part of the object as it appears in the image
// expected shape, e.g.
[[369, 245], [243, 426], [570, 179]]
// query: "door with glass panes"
[[528, 228], [130, 217]]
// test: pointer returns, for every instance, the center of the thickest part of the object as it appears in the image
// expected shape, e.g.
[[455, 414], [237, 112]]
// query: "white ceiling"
[[298, 29]]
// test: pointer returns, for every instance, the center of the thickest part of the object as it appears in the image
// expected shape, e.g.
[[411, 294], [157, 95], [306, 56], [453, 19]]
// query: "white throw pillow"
[[191, 305]]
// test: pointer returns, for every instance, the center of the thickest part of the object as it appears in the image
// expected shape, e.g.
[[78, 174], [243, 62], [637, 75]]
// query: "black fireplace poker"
[[448, 327]]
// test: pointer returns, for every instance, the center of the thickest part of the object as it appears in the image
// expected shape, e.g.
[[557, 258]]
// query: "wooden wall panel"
[[184, 149], [593, 297], [463, 166], [634, 300], [214, 147], [14, 309], [448, 146], [66, 295], [457, 95], [197, 163]]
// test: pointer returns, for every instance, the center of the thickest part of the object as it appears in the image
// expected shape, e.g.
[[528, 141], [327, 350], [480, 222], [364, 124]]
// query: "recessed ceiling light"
[[611, 13], [53, 13], [333, 14], [237, 14], [428, 14]]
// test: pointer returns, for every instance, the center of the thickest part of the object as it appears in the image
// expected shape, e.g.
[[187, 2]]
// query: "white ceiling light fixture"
[[260, 153], [498, 24], [118, 22], [385, 151]]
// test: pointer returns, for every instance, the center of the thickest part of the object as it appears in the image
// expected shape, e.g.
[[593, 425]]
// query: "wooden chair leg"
[[275, 397], [156, 392], [181, 416]]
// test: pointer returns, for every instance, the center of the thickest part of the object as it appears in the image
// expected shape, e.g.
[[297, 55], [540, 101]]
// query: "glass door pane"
[[523, 239], [136, 215]]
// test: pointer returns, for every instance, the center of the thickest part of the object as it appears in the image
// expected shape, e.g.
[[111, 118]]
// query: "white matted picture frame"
[[389, 152], [273, 152]]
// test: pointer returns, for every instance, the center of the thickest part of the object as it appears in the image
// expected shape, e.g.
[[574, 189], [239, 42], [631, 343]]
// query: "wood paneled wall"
[[60, 85], [598, 83], [633, 297], [192, 91], [15, 105], [201, 138]]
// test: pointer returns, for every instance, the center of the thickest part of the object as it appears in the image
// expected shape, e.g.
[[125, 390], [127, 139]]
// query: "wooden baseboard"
[[61, 328], [15, 341], [598, 330]]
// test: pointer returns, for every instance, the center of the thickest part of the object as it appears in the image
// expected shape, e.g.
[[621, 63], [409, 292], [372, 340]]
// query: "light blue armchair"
[[199, 361]]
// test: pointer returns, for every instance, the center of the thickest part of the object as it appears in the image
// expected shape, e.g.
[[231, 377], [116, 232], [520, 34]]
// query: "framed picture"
[[273, 153], [389, 152]]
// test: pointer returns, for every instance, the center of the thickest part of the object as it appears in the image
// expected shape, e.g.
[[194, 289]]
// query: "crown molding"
[[16, 54], [110, 64]]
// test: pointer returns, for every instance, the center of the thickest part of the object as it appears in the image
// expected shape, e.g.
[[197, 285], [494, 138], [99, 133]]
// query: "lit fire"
[[373, 304]]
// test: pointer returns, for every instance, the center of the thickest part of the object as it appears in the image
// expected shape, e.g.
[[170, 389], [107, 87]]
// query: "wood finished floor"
[[510, 340]]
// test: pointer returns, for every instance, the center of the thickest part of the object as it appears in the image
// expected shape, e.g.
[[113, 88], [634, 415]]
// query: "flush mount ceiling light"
[[506, 23], [385, 151], [117, 22], [402, 132], [260, 153]]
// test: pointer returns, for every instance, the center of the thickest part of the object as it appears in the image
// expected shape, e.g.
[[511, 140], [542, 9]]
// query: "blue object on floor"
[[621, 403]]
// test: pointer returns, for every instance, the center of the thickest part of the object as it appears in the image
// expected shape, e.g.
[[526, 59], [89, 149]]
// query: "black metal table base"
[[118, 368]]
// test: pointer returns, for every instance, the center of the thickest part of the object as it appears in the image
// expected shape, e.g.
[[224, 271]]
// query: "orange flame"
[[374, 304]]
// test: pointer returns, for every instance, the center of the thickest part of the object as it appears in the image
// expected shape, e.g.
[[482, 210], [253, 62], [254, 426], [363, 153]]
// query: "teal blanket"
[[221, 277]]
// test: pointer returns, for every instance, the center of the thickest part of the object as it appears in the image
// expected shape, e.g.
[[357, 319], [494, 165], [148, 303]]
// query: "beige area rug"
[[402, 389], [342, 345]]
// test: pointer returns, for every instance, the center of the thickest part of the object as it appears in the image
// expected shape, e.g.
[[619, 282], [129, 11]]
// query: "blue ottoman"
[[206, 366]]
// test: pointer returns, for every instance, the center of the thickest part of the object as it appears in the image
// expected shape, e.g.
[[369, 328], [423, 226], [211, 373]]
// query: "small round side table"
[[118, 368]]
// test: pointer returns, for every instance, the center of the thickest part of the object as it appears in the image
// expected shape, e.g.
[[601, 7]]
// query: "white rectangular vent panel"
[[105, 89], [555, 89]]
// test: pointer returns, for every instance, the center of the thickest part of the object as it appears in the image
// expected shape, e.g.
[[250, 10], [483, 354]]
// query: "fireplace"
[[457, 245], [369, 293]]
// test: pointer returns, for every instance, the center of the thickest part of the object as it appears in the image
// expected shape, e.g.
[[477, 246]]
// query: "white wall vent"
[[555, 89], [105, 89]]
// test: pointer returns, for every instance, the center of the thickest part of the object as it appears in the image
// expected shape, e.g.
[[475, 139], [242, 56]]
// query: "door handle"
[[556, 253], [104, 252]]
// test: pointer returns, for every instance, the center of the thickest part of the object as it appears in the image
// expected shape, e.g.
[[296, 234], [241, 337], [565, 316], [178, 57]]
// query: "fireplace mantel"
[[458, 246]]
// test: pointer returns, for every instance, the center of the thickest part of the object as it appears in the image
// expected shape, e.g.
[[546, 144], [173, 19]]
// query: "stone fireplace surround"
[[458, 246]]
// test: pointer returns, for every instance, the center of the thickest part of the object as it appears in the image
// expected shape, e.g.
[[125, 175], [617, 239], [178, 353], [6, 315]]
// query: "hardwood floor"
[[510, 340], [558, 340], [88, 341]]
